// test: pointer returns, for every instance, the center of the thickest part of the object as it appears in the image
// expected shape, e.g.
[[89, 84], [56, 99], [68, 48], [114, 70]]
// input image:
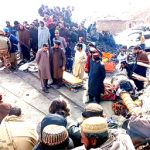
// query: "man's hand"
[[63, 68]]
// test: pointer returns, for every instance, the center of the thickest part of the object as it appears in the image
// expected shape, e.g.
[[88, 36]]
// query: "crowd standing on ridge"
[[57, 44]]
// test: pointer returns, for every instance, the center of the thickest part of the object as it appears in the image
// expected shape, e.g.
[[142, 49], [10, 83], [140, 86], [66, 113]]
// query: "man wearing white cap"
[[95, 135], [54, 137]]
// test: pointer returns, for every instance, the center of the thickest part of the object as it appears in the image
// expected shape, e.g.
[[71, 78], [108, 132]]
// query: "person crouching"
[[42, 59]]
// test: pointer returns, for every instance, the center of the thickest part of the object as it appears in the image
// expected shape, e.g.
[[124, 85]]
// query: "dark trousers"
[[44, 83], [25, 52], [58, 81], [139, 84], [94, 99], [34, 47]]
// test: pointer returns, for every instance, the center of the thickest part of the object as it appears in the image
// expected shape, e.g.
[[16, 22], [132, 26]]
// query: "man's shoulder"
[[79, 148], [40, 50]]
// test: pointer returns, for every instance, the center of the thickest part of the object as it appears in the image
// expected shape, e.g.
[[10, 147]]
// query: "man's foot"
[[48, 86], [58, 86], [45, 90], [13, 69]]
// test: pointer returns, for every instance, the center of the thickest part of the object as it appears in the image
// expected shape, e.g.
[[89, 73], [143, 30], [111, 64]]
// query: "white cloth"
[[118, 140]]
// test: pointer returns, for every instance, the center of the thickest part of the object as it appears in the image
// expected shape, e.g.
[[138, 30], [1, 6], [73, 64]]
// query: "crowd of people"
[[57, 23]]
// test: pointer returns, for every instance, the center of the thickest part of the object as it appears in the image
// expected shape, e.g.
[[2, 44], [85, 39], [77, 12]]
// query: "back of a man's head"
[[95, 129], [15, 111], [93, 110]]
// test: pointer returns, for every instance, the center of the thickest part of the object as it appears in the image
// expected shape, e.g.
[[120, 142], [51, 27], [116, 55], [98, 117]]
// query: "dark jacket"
[[33, 35], [134, 68], [14, 43], [97, 75]]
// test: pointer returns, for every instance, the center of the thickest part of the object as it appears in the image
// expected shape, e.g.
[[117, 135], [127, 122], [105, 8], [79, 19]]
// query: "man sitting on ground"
[[16, 133], [91, 110], [95, 135], [54, 137]]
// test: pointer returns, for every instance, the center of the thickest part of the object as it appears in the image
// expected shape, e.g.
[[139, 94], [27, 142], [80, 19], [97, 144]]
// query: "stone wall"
[[114, 26]]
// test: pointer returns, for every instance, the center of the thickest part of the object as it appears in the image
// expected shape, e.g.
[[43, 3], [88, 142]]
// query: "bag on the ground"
[[110, 67]]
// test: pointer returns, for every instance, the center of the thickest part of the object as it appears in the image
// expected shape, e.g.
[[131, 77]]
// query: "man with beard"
[[62, 40], [57, 62], [95, 135]]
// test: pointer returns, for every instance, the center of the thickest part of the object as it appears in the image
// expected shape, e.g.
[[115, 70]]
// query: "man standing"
[[10, 28], [58, 62], [141, 57], [97, 75], [24, 41], [79, 62], [43, 35], [42, 59], [62, 40], [4, 48], [13, 49], [92, 50]]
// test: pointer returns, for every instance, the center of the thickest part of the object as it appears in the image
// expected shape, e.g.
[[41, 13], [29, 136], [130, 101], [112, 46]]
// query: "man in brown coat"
[[4, 109], [42, 59], [58, 62], [24, 41], [16, 133]]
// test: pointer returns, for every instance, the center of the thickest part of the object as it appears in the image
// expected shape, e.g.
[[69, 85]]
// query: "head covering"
[[92, 110], [57, 42], [94, 125], [92, 49], [53, 135], [93, 44], [53, 119], [96, 55]]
